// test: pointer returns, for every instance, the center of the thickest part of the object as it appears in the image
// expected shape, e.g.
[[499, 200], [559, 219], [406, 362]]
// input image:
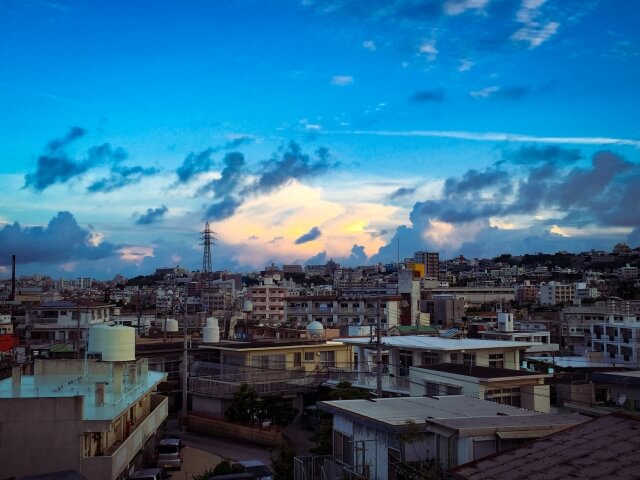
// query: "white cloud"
[[369, 45], [484, 92], [457, 7], [342, 80], [465, 65], [429, 50], [496, 137], [533, 31]]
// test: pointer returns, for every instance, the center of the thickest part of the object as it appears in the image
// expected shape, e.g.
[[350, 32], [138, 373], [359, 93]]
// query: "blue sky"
[[308, 130]]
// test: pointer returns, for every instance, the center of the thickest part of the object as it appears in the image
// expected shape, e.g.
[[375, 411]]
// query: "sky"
[[310, 130]]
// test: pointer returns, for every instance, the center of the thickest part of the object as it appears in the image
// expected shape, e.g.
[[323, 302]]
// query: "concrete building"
[[554, 293], [478, 295], [527, 293], [501, 385], [431, 262], [618, 339], [268, 302], [400, 353], [98, 418], [444, 309], [381, 439], [605, 447]]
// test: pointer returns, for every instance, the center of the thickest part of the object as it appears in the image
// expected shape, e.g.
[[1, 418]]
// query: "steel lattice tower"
[[208, 239]]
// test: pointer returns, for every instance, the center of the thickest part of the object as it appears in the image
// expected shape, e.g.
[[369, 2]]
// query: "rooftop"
[[269, 343], [512, 423], [606, 447], [575, 362], [423, 342], [477, 371], [73, 384], [396, 412]]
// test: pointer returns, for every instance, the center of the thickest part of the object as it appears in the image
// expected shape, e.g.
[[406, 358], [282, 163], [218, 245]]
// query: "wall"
[[221, 428], [40, 435], [418, 377], [536, 397]]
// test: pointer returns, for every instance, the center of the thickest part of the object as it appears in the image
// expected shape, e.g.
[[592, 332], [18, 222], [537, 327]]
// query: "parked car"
[[257, 469], [150, 474], [170, 453]]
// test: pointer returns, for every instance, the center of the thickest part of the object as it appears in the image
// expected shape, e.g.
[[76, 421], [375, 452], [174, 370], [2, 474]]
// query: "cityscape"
[[319, 240]]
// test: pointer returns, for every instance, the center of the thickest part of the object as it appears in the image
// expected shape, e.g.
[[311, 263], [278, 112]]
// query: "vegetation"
[[282, 461], [223, 468], [248, 408]]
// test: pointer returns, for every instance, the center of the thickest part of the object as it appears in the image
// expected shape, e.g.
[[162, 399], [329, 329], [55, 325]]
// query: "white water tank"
[[247, 306], [169, 325], [315, 329], [115, 343], [211, 331]]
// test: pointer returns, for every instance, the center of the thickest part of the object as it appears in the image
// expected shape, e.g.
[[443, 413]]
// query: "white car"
[[170, 453]]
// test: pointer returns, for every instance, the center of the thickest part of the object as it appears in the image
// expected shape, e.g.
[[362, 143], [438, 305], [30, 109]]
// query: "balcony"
[[120, 454], [368, 380]]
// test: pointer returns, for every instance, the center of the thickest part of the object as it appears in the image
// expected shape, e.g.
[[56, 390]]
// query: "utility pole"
[[185, 374], [378, 352]]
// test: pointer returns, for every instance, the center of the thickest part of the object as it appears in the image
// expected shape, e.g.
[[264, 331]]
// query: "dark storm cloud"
[[121, 177], [287, 165], [222, 209], [197, 163], [230, 177], [603, 193], [56, 166], [428, 96], [548, 154], [310, 236], [152, 215], [401, 192], [62, 240]]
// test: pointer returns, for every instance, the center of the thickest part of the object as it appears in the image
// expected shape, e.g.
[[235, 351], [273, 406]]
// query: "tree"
[[244, 405], [345, 391], [282, 463], [277, 410]]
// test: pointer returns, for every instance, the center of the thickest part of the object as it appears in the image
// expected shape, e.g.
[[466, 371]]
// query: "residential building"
[[494, 383], [554, 293], [431, 262], [386, 438], [268, 302], [478, 295], [400, 353], [618, 339], [527, 293], [605, 447], [99, 418], [627, 272], [444, 309]]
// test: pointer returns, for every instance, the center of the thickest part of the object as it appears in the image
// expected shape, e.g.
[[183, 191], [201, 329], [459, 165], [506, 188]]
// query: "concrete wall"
[[40, 435], [536, 397], [575, 392], [221, 428]]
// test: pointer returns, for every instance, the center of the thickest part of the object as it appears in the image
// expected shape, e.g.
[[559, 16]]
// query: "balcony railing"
[[120, 455]]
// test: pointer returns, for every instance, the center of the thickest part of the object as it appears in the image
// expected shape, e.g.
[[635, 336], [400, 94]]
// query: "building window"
[[431, 389], [469, 359], [342, 448], [496, 360], [297, 359], [430, 358], [328, 359], [309, 356]]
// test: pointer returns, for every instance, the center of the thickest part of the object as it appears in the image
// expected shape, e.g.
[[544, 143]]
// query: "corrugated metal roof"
[[420, 342]]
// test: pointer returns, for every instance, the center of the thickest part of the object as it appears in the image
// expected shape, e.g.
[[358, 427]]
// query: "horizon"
[[309, 130]]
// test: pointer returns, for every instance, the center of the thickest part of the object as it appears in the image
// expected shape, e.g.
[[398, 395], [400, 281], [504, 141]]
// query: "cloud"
[[369, 45], [465, 65], [342, 80], [310, 236], [121, 176], [401, 193], [152, 215], [533, 31], [287, 165], [231, 176], [62, 240], [56, 166], [428, 96], [197, 163], [428, 50], [495, 137], [458, 7], [223, 209], [533, 154]]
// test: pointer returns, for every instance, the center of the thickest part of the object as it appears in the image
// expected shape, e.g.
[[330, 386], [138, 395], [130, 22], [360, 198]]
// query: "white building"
[[554, 293], [98, 418], [385, 438], [618, 339]]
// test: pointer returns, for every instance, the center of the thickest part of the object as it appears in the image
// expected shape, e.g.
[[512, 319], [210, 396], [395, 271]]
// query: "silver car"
[[170, 453]]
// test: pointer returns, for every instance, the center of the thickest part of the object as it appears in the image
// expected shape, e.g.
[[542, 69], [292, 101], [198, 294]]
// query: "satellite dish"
[[621, 399]]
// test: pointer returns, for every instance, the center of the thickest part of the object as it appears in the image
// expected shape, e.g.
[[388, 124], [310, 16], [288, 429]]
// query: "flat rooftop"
[[268, 343], [478, 371], [575, 362], [66, 385], [396, 412], [423, 342], [606, 447]]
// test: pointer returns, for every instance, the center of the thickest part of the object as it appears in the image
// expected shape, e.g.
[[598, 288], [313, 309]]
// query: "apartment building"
[[431, 262], [99, 418], [554, 293], [618, 338], [268, 302]]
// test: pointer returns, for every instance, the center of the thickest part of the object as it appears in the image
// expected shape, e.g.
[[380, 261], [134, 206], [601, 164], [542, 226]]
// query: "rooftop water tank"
[[315, 329], [247, 306], [211, 331], [169, 325], [115, 343]]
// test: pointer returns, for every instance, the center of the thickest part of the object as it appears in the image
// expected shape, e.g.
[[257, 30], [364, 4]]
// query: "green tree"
[[244, 406], [282, 462], [277, 410]]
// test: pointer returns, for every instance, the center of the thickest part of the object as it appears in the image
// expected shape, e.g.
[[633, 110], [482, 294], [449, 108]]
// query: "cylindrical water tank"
[[116, 343], [170, 325], [315, 329], [211, 332], [247, 306]]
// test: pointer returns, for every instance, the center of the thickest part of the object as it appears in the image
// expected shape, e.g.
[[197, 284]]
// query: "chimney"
[[13, 278], [100, 394], [16, 378]]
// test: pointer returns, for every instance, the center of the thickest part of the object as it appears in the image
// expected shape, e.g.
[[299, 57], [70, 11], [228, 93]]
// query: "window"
[[342, 448], [431, 389], [328, 359], [429, 358], [469, 359], [297, 359], [309, 356], [496, 360]]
